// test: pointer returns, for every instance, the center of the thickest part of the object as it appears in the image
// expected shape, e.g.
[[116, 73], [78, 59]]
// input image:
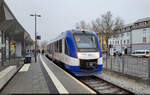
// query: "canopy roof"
[[11, 26]]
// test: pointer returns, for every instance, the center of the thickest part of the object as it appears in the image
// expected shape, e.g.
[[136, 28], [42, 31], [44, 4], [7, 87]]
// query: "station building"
[[135, 36]]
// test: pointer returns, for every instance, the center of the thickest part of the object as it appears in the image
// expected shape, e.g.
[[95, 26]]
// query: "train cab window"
[[85, 42], [66, 48]]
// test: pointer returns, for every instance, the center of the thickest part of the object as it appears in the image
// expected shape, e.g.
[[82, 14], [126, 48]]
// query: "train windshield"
[[85, 42]]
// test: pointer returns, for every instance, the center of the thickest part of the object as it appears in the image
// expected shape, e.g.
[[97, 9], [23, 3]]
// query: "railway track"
[[101, 86]]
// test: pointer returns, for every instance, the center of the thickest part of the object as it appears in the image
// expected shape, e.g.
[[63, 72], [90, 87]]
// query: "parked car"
[[141, 53]]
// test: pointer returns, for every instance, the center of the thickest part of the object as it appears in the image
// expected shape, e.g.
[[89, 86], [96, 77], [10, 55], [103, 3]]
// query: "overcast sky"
[[61, 15]]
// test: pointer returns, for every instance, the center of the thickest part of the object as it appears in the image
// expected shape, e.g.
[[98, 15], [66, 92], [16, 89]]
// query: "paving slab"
[[28, 81], [44, 77], [71, 84]]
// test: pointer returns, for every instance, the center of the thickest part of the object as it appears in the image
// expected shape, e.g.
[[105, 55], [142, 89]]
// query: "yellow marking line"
[[57, 83]]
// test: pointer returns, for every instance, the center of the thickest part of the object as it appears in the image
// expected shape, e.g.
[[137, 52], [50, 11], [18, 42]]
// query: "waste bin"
[[27, 59]]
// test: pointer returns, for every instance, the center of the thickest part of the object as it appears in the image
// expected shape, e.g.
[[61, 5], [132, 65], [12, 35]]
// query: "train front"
[[88, 53]]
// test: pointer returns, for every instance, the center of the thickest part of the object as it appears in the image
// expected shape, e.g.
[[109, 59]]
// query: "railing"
[[127, 65]]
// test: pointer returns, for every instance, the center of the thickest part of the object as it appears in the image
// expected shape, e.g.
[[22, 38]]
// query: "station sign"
[[38, 37]]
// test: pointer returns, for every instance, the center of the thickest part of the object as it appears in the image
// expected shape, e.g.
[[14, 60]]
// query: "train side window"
[[60, 46], [51, 48], [55, 46], [66, 48]]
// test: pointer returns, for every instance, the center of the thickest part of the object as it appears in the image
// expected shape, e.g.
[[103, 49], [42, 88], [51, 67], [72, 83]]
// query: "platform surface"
[[44, 77]]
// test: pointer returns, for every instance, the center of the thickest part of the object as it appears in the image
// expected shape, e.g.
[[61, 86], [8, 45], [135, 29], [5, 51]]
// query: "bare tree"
[[96, 26], [105, 26], [82, 25], [119, 24], [110, 25]]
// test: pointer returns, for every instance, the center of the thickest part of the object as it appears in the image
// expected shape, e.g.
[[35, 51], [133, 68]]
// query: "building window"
[[130, 27], [146, 22], [127, 33], [122, 34], [144, 39], [124, 41], [115, 42], [144, 29], [128, 41], [141, 24]]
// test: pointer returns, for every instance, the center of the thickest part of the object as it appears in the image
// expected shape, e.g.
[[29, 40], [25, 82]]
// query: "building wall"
[[120, 42], [141, 39], [137, 39], [136, 36]]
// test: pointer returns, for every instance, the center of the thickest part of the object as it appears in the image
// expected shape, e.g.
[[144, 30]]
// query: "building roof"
[[127, 25], [143, 19]]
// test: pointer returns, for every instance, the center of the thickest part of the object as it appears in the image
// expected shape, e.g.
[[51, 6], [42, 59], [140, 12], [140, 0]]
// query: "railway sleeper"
[[98, 85], [103, 87], [119, 91], [109, 90], [93, 82]]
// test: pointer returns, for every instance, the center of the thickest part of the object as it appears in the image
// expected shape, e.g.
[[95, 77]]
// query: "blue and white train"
[[78, 51]]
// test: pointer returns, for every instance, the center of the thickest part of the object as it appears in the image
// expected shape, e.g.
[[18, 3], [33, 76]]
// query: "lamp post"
[[35, 15]]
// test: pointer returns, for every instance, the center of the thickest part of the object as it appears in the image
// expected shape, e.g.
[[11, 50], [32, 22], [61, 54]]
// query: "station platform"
[[44, 77]]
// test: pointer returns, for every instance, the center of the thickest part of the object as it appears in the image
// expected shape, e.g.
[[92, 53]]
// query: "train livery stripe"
[[71, 45], [99, 48], [57, 83]]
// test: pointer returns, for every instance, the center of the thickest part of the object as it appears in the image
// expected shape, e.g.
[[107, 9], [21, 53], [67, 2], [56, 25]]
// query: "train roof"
[[63, 34]]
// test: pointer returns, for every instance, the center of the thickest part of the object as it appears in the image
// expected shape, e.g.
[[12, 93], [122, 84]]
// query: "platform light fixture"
[[35, 15]]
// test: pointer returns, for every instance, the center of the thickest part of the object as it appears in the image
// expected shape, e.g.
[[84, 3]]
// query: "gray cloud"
[[61, 15]]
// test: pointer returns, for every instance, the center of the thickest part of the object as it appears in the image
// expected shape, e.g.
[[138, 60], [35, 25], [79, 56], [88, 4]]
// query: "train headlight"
[[79, 55], [97, 54], [88, 55]]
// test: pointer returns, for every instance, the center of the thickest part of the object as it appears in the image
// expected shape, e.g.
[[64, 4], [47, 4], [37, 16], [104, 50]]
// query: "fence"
[[17, 61], [127, 65]]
